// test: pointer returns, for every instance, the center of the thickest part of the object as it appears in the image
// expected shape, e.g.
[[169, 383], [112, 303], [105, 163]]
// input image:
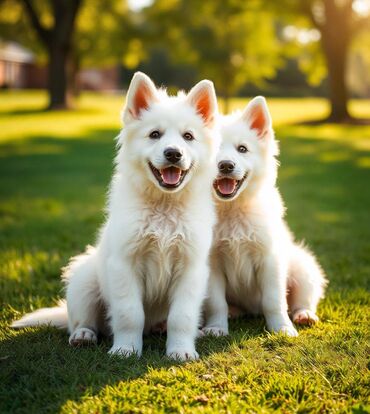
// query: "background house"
[[19, 70]]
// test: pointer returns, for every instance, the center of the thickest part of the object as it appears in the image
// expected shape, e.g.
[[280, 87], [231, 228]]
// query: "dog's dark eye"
[[188, 136], [155, 134], [242, 149]]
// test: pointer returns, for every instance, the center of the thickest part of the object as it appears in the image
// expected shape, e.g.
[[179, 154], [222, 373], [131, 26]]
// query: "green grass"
[[54, 172]]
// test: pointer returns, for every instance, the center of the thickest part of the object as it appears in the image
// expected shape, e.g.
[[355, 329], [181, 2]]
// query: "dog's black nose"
[[173, 155], [226, 167]]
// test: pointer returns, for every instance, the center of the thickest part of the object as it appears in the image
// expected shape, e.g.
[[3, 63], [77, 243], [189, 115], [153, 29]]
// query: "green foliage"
[[105, 34], [230, 42], [15, 26], [308, 15], [54, 172], [104, 30], [309, 56]]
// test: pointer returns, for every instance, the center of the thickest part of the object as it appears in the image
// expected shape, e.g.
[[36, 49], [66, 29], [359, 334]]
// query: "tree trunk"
[[60, 46], [73, 67], [58, 80], [58, 42], [335, 39], [338, 93], [335, 48]]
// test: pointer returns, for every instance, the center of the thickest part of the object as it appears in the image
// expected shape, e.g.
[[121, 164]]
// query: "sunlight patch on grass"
[[363, 162], [17, 209], [329, 217], [30, 149], [19, 265], [306, 149], [337, 156], [350, 135], [364, 144], [19, 118], [284, 112], [289, 172]]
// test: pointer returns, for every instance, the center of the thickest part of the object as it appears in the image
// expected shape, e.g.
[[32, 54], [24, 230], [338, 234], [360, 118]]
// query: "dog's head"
[[247, 152], [166, 139]]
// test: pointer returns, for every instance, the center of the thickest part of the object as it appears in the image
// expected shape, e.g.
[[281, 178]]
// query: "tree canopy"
[[229, 41]]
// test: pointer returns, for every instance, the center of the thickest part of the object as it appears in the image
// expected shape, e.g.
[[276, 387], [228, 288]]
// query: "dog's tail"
[[56, 316], [307, 280]]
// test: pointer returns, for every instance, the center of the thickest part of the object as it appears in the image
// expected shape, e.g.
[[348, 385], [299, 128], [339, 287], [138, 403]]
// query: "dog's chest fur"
[[159, 249], [240, 241]]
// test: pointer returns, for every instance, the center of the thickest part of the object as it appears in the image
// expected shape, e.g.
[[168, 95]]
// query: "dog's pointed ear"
[[257, 115], [140, 95], [203, 98]]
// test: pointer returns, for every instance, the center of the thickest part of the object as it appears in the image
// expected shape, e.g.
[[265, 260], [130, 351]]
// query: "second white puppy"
[[256, 265]]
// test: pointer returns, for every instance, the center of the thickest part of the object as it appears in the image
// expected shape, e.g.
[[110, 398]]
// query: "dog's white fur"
[[151, 259], [255, 264]]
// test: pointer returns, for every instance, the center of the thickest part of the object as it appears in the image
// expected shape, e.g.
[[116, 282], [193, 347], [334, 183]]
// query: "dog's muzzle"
[[226, 186], [169, 177]]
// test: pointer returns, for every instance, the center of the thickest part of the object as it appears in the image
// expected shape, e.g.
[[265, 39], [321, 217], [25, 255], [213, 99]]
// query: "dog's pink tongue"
[[171, 175], [226, 186]]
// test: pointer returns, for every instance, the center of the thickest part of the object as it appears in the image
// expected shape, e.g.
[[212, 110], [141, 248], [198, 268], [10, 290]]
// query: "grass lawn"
[[54, 172]]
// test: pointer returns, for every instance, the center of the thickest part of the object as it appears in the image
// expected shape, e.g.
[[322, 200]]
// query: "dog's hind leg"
[[306, 284], [83, 301]]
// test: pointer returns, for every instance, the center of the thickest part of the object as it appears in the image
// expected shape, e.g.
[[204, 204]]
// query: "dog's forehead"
[[236, 132], [173, 113]]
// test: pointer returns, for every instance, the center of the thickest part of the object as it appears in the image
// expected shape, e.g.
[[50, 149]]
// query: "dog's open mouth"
[[227, 187], [169, 177]]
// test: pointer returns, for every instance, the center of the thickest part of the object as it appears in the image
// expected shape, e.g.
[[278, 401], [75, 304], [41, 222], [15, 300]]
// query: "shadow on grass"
[[25, 111], [44, 110], [322, 121]]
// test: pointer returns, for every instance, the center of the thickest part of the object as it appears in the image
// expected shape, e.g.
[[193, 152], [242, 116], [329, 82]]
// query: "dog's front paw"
[[287, 330], [280, 323], [82, 337], [305, 317], [215, 331], [124, 351], [182, 354]]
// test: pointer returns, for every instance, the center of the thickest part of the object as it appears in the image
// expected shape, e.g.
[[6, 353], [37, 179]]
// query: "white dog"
[[151, 260], [255, 264]]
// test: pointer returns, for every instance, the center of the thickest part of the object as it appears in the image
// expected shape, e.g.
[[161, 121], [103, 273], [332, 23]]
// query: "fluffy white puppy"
[[255, 264], [151, 260]]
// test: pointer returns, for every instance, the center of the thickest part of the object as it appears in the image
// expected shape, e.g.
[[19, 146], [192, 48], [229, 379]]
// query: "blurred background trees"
[[229, 41], [300, 47], [67, 35], [338, 23], [50, 25]]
